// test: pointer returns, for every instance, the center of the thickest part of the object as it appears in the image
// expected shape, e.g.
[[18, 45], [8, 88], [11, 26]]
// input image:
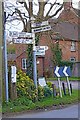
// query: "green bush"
[[66, 63], [47, 91], [22, 101], [25, 86], [49, 84], [40, 93]]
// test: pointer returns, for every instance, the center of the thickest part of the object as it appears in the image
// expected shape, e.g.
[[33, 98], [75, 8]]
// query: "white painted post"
[[59, 83]]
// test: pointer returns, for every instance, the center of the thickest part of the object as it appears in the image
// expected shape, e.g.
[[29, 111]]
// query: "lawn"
[[17, 106], [64, 78]]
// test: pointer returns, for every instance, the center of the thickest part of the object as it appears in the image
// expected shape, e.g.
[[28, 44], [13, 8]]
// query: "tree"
[[23, 10]]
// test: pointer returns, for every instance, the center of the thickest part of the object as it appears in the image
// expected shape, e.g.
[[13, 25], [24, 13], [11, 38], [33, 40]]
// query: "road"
[[75, 84], [69, 112]]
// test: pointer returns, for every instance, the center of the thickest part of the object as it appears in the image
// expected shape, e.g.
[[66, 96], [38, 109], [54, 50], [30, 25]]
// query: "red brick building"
[[65, 31]]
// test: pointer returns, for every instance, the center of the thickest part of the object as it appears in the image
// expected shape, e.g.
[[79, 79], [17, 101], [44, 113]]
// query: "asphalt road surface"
[[69, 112], [75, 84]]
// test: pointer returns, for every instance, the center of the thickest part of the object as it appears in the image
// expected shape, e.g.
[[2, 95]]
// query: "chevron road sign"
[[62, 71]]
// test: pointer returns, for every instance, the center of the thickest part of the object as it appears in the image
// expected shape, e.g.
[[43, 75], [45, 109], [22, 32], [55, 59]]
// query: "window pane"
[[24, 62]]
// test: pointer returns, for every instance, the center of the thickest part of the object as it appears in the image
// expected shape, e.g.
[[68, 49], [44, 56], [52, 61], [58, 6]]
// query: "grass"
[[64, 78], [46, 102]]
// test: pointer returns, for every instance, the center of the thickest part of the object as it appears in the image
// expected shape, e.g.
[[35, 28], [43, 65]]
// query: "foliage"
[[49, 84], [66, 63], [25, 86], [40, 93], [30, 58], [30, 62], [47, 91], [46, 102], [56, 54]]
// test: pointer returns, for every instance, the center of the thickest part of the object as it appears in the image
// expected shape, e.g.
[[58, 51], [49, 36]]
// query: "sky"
[[19, 26]]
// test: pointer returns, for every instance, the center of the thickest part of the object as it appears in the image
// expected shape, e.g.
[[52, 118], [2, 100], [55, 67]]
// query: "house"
[[65, 32], [18, 57]]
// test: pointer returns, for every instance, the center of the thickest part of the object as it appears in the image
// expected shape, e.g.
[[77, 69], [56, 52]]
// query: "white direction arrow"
[[56, 71], [64, 71]]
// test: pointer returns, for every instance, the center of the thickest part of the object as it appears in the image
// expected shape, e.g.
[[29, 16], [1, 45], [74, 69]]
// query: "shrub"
[[25, 86], [47, 91], [49, 84], [40, 93]]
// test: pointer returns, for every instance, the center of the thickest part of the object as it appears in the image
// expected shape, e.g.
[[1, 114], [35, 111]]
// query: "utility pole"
[[5, 59], [1, 49]]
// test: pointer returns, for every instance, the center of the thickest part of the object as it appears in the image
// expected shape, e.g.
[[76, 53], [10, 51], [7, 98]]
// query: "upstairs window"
[[24, 63], [73, 46]]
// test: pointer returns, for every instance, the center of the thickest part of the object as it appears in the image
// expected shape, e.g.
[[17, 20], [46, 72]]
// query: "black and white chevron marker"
[[62, 71]]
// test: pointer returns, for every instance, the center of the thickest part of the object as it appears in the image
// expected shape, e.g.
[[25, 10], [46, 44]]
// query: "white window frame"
[[74, 59], [73, 46], [24, 63]]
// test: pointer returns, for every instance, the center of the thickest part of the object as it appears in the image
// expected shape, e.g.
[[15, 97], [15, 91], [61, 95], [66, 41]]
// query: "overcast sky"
[[19, 27]]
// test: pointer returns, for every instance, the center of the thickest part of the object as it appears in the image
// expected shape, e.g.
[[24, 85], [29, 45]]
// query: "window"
[[73, 46], [24, 63], [72, 59]]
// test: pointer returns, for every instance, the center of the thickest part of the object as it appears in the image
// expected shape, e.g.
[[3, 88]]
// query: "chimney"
[[67, 4]]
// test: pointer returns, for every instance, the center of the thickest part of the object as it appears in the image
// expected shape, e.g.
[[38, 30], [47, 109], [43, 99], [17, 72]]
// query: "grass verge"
[[64, 78], [46, 102]]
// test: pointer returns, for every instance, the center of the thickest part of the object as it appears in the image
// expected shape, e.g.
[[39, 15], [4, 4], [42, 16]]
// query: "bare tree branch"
[[50, 16]]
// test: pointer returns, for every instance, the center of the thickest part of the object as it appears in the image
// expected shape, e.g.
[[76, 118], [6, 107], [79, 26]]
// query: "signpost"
[[13, 83], [36, 30], [39, 24], [19, 37], [15, 34], [63, 72], [23, 41], [13, 74], [42, 29], [40, 50]]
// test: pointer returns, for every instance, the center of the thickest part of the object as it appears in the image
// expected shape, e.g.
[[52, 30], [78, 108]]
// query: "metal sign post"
[[5, 60], [34, 59]]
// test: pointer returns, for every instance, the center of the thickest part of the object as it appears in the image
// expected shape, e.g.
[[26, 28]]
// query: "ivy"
[[30, 57], [56, 54]]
